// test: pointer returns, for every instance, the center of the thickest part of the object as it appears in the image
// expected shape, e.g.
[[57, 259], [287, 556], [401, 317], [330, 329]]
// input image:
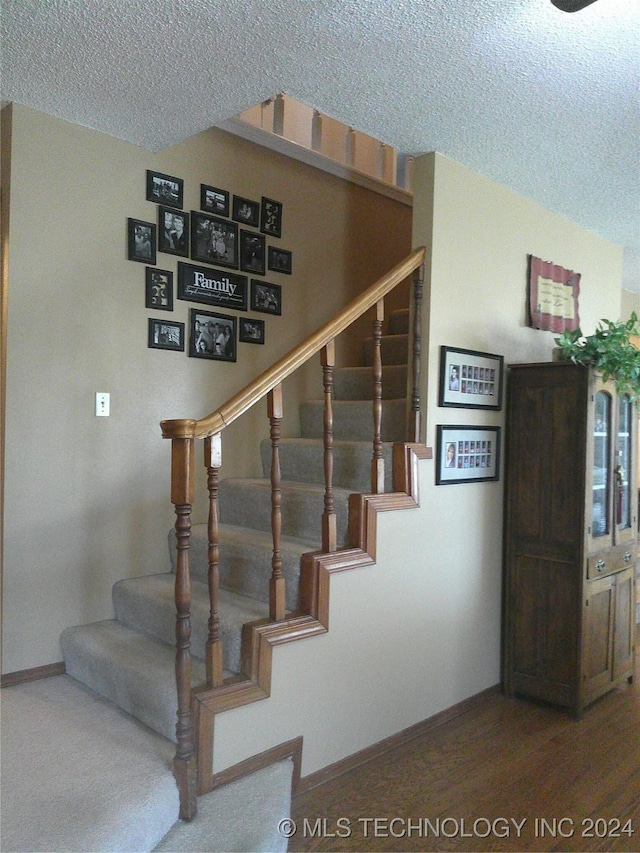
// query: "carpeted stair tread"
[[399, 321], [247, 503], [394, 349], [303, 459], [245, 560], [353, 420], [356, 383], [148, 604], [135, 671]]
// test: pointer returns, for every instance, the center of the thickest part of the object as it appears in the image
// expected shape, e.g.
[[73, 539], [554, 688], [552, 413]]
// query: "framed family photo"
[[173, 231], [245, 211], [212, 335], [165, 189], [214, 240], [266, 297], [214, 200], [251, 331], [141, 241], [166, 334], [252, 251], [158, 289], [271, 217], [470, 379], [467, 454], [279, 260]]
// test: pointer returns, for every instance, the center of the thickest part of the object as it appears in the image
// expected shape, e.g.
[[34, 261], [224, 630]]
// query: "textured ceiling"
[[542, 101]]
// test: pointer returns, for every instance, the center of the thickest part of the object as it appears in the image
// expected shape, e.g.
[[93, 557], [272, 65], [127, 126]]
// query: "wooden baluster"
[[413, 425], [213, 461], [329, 523], [377, 462], [276, 584], [185, 761]]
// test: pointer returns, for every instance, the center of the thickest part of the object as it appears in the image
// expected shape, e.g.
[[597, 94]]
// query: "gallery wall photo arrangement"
[[467, 454], [212, 335], [165, 189], [166, 334], [141, 241], [214, 240], [173, 231], [470, 379]]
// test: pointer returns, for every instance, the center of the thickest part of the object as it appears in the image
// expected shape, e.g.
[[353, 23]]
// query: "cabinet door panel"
[[625, 624], [598, 646]]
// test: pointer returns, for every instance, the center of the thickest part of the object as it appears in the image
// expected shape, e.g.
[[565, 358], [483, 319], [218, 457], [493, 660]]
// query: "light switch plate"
[[103, 404]]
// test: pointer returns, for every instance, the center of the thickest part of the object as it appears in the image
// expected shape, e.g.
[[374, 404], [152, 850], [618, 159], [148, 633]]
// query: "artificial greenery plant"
[[609, 351]]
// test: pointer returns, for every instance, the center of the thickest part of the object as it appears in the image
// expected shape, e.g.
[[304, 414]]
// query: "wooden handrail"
[[267, 381]]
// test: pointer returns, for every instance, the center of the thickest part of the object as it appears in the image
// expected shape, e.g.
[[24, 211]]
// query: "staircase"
[[131, 659]]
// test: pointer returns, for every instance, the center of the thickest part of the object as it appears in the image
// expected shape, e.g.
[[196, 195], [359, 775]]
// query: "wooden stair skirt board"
[[131, 659]]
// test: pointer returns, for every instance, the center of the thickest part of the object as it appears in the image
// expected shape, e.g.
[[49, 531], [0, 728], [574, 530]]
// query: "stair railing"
[[183, 434]]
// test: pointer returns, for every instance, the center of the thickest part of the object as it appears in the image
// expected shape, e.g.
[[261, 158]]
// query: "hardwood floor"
[[507, 775]]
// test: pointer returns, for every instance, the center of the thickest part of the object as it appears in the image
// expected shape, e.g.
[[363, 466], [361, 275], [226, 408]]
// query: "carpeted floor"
[[80, 775]]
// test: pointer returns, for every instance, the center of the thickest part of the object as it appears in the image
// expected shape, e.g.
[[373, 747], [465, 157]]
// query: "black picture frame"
[[141, 241], [208, 338], [279, 260], [214, 200], [251, 331], [266, 298], [271, 217], [173, 231], [158, 289], [220, 288], [252, 252], [165, 189], [470, 379], [214, 240], [165, 334], [467, 454], [246, 211]]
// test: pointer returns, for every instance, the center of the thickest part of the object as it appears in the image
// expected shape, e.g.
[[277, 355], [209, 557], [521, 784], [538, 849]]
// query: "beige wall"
[[630, 303], [87, 499]]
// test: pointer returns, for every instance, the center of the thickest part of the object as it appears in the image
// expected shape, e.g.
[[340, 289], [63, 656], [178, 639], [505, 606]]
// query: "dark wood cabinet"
[[570, 535]]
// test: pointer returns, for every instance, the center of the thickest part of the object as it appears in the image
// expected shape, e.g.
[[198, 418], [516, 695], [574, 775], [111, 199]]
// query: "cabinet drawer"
[[607, 562]]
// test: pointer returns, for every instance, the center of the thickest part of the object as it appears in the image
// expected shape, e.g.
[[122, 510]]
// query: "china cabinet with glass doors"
[[570, 535]]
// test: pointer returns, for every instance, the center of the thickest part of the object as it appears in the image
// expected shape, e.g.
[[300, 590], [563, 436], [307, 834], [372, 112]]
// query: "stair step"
[[147, 604], [356, 383], [394, 349], [247, 503], [135, 671], [399, 322], [304, 458], [353, 420], [245, 560]]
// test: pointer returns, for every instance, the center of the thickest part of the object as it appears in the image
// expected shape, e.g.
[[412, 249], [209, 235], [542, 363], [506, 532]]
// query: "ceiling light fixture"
[[571, 5]]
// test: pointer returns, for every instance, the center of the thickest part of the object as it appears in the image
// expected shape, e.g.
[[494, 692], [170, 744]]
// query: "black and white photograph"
[[214, 200], [467, 454], [271, 217], [251, 331], [173, 231], [245, 211], [166, 334], [158, 289], [266, 297], [279, 260], [214, 240], [470, 379], [212, 335], [164, 189], [252, 248], [141, 241]]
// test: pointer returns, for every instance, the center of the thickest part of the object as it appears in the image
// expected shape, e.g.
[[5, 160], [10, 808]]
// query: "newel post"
[[185, 761]]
